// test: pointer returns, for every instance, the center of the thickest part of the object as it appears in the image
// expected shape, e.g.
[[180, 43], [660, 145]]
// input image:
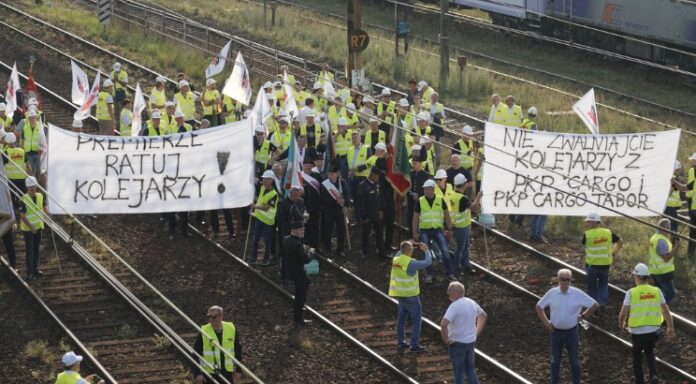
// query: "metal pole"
[[396, 30], [444, 46]]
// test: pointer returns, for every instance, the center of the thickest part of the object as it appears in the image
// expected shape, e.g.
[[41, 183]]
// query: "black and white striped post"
[[105, 8]]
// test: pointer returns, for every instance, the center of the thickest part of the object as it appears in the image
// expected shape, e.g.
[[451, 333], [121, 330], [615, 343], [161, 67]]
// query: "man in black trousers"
[[298, 254], [369, 209]]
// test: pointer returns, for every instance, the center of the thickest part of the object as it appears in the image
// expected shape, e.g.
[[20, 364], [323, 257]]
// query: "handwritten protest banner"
[[198, 170], [547, 173]]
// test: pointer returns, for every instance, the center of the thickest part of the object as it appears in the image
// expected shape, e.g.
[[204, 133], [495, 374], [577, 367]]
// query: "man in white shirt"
[[565, 304], [461, 325]]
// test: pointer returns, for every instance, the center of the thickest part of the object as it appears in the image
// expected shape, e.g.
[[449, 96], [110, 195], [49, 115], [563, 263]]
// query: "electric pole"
[[444, 46]]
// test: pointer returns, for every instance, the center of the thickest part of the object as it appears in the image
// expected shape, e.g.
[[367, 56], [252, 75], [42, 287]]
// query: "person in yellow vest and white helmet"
[[367, 110], [343, 139], [443, 189], [352, 117], [168, 116], [508, 113], [126, 118], [105, 109], [6, 122], [661, 262], [357, 156], [158, 95], [185, 100], [32, 208], [645, 309], [430, 216], [405, 115], [404, 285], [32, 140], [71, 371], [464, 147], [16, 168], [281, 137], [462, 209], [386, 110], [425, 90], [325, 74], [216, 344], [601, 245], [120, 91], [374, 135], [180, 125], [264, 212], [212, 103], [528, 122], [155, 126], [427, 154], [422, 127]]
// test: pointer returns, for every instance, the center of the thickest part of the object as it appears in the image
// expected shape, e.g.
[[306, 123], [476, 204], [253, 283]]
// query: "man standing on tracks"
[[264, 212], [601, 245], [105, 109], [404, 285], [662, 260], [290, 209], [462, 324], [298, 254], [369, 209], [645, 308], [334, 201], [120, 79], [565, 304], [216, 361], [32, 208], [31, 134], [429, 215], [71, 371]]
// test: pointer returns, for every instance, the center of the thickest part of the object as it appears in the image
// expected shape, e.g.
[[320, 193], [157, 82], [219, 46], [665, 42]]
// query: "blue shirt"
[[414, 265], [662, 247]]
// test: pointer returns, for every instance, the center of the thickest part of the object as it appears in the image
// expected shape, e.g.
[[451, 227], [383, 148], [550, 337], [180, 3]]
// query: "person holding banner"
[[32, 208], [264, 212], [334, 202], [431, 212], [601, 246]]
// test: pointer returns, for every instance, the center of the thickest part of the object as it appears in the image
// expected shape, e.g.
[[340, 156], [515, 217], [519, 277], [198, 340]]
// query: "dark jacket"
[[328, 204], [289, 212], [293, 249], [369, 203]]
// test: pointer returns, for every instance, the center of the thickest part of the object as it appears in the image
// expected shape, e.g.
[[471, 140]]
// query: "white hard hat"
[[210, 82], [183, 83], [424, 140], [178, 113], [259, 128], [403, 102], [70, 358], [31, 182], [160, 79], [284, 119], [268, 84], [108, 83], [373, 120], [117, 66], [422, 84], [10, 138], [311, 113], [342, 121], [641, 270], [434, 94], [368, 99], [350, 107], [386, 92], [429, 184], [677, 164], [532, 111], [268, 175], [693, 156], [467, 130], [423, 116], [593, 217], [3, 107], [317, 85], [156, 114], [169, 103], [416, 147], [33, 101], [440, 174], [32, 113], [380, 146], [77, 123], [459, 179]]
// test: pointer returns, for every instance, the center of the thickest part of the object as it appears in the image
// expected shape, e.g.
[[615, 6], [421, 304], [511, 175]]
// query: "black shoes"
[[303, 322]]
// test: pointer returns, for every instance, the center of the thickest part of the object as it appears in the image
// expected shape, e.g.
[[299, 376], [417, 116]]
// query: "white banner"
[[546, 173], [217, 64], [586, 108], [193, 171], [80, 84], [238, 85], [11, 91]]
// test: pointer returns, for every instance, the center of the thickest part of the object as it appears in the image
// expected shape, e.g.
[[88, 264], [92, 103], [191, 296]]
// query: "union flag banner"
[[586, 108]]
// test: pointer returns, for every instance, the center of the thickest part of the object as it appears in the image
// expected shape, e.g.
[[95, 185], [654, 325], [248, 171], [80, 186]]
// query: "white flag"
[[261, 110], [84, 110], [290, 103], [80, 84], [217, 65], [329, 90], [238, 86], [11, 92], [586, 108], [138, 107]]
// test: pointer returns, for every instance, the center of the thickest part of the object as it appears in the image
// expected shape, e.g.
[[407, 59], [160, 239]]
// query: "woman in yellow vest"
[[601, 246], [461, 221], [645, 309], [210, 98], [214, 335], [264, 212], [71, 371], [31, 209]]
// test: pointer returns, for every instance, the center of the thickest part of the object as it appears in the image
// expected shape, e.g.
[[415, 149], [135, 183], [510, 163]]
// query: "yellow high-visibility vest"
[[263, 154], [187, 104], [390, 109], [527, 124], [103, 106], [209, 96], [461, 219], [598, 247], [30, 137], [431, 217], [265, 196], [646, 306], [360, 159], [343, 142], [656, 264], [153, 131], [465, 146], [68, 377], [281, 140], [33, 212], [157, 97], [122, 76], [16, 168], [505, 117], [381, 137], [211, 354], [674, 199], [317, 133], [401, 284], [446, 194]]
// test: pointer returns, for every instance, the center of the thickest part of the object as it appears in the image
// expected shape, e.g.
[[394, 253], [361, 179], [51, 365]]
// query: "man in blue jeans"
[[565, 304], [264, 212], [429, 216], [601, 245], [405, 286], [462, 324]]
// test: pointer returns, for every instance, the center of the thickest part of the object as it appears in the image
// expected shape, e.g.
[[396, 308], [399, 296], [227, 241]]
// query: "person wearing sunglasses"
[[214, 360], [566, 305]]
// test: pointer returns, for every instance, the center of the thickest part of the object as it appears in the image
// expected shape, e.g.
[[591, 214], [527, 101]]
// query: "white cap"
[[32, 113], [416, 147], [429, 184], [284, 119], [368, 99], [422, 84], [160, 79], [693, 156], [380, 146], [270, 96], [210, 82], [310, 113], [178, 113], [156, 114], [268, 84], [350, 107], [268, 175], [31, 182], [10, 138], [3, 107], [532, 111], [423, 116], [424, 140], [593, 217], [70, 358], [183, 83], [641, 270], [107, 83], [317, 85], [77, 123], [342, 121], [117, 66], [373, 120], [459, 179], [467, 130], [259, 128], [677, 164], [440, 174], [386, 92], [169, 103], [33, 101], [403, 102]]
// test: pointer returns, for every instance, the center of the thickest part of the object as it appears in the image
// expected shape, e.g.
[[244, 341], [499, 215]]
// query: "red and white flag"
[[138, 107], [586, 108], [11, 91], [84, 110], [238, 86], [217, 65], [80, 84]]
